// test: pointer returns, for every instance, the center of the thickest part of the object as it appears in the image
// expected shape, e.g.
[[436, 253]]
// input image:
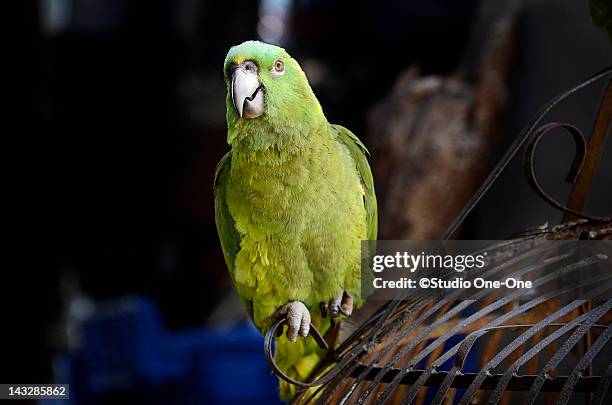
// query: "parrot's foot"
[[298, 319], [342, 304], [346, 305]]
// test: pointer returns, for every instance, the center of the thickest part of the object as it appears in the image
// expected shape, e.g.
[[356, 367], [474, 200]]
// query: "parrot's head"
[[266, 88]]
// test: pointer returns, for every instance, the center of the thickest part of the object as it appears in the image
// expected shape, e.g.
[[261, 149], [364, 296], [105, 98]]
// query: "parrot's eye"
[[278, 68]]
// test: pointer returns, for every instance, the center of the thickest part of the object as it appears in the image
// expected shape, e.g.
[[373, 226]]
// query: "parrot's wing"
[[228, 235], [358, 152]]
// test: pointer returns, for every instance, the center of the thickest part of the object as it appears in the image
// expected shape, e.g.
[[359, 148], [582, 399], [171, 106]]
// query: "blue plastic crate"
[[127, 355]]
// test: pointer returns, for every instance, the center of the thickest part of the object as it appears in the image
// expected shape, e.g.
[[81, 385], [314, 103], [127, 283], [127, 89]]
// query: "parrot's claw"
[[298, 319], [342, 304], [346, 306]]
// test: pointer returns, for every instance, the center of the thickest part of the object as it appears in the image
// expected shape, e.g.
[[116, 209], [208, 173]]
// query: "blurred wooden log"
[[432, 140]]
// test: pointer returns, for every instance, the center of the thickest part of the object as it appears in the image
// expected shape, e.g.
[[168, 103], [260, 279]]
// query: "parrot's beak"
[[247, 91]]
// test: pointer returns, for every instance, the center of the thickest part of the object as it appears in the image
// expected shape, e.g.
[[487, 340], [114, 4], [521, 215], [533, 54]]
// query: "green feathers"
[[293, 198], [358, 153], [291, 108]]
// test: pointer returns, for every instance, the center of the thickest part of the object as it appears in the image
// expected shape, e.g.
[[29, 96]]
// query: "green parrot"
[[294, 197]]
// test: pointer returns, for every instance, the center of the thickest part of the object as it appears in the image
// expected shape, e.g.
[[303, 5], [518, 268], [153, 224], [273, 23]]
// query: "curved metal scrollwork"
[[316, 335], [579, 158], [522, 138]]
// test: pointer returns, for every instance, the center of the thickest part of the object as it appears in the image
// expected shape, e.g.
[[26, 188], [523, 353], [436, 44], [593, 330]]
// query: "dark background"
[[118, 122]]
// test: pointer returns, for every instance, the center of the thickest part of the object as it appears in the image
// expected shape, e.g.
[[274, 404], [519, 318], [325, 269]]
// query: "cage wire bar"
[[401, 350]]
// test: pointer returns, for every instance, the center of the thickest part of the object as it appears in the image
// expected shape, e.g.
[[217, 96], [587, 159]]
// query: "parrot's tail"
[[300, 359]]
